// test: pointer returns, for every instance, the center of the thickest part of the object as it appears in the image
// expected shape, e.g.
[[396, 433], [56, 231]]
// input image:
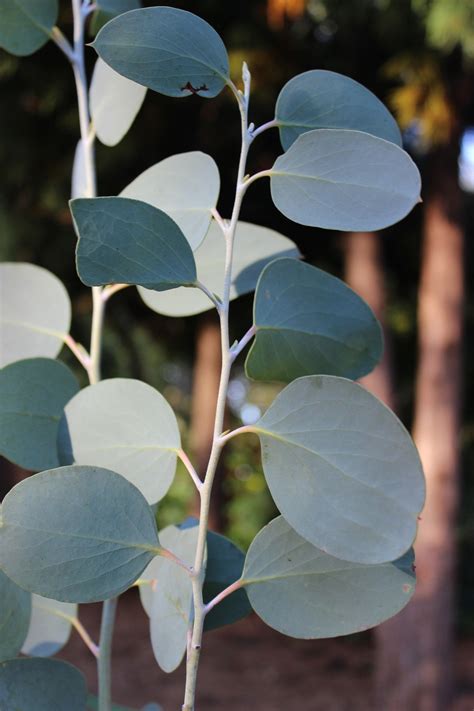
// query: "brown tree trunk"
[[415, 649], [206, 376], [364, 272]]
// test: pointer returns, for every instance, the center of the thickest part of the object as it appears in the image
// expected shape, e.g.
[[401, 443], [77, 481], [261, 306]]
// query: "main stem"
[[194, 650], [80, 12]]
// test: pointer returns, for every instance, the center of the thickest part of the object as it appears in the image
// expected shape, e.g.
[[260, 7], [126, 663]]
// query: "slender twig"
[[239, 347], [109, 291], [257, 176], [62, 42], [165, 553], [192, 472], [245, 429], [194, 649], [264, 127], [222, 595], [219, 219], [79, 351], [104, 665], [209, 294], [85, 636]]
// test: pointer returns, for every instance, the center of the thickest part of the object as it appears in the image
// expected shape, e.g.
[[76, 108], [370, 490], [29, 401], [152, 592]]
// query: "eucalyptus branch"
[[62, 42], [85, 636], [240, 345], [264, 127], [245, 429], [219, 219], [222, 595], [191, 470], [112, 289], [194, 648], [209, 294], [78, 350]]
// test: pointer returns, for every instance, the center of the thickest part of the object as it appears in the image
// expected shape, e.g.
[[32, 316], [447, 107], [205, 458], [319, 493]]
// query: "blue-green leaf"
[[344, 180], [33, 394], [303, 592], [168, 50], [76, 534], [225, 563], [186, 187], [123, 241], [33, 321], [15, 613], [41, 685], [126, 426], [322, 99], [255, 246], [25, 25], [308, 322], [342, 469], [50, 626]]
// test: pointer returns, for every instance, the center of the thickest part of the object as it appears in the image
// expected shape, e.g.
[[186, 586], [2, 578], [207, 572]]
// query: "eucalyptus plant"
[[342, 469]]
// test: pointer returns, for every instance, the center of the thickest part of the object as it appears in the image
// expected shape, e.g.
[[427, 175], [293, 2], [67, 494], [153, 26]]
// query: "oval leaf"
[[34, 320], [26, 24], [303, 592], [344, 180], [33, 394], [342, 469], [321, 99], [186, 187], [225, 563], [50, 626], [76, 534], [15, 613], [124, 241], [308, 322], [255, 246], [123, 425], [114, 103], [171, 599], [170, 51], [41, 685]]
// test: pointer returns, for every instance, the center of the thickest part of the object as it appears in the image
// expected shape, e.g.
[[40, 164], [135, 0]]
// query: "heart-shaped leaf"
[[34, 320], [344, 180], [123, 425], [76, 534], [114, 103], [33, 394], [303, 592], [50, 626], [308, 322], [186, 187], [321, 99], [342, 469], [15, 613], [41, 685], [26, 24], [255, 246], [168, 50], [124, 241]]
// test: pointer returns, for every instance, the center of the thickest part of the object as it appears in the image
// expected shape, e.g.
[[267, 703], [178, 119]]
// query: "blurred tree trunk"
[[415, 649], [364, 272], [206, 376]]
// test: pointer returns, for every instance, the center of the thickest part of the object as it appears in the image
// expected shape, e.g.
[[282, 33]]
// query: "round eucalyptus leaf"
[[255, 246], [123, 425], [171, 600], [124, 241], [303, 592], [225, 563], [15, 613], [50, 626], [322, 99], [35, 314], [186, 187], [41, 685], [25, 25], [344, 180], [114, 103], [309, 322], [33, 393], [168, 50], [76, 534], [342, 469]]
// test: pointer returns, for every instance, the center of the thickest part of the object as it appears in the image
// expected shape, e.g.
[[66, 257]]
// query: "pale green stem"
[[80, 12], [194, 648]]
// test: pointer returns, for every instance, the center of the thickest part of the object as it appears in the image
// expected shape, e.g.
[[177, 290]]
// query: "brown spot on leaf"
[[194, 89], [406, 588]]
